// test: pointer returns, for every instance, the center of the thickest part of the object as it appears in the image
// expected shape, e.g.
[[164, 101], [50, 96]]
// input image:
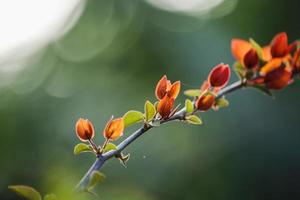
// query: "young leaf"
[[26, 191], [150, 111], [193, 119], [222, 102], [50, 197], [257, 47], [132, 117], [192, 92], [96, 177], [239, 70], [189, 106], [81, 147], [263, 89], [109, 147]]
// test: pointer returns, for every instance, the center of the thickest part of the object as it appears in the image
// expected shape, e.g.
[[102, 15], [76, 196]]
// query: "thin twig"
[[179, 115]]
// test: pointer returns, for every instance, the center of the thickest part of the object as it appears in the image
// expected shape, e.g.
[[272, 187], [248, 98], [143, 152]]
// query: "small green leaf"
[[50, 197], [109, 147], [81, 147], [95, 178], [192, 92], [189, 106], [26, 191], [150, 111], [193, 119], [239, 70], [132, 117], [222, 102], [257, 47], [263, 89]]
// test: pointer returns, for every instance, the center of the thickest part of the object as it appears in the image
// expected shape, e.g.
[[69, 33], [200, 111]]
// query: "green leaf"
[[132, 117], [81, 147], [26, 192], [95, 178], [263, 89], [222, 102], [239, 70], [193, 119], [192, 92], [150, 111], [189, 106], [109, 147], [257, 47], [50, 197]]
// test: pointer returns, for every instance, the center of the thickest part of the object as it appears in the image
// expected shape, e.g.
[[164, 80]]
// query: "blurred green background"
[[109, 62]]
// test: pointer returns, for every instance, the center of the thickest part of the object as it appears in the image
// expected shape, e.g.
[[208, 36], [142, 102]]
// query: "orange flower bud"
[[251, 59], [270, 66], [161, 87], [219, 75], [266, 53], [164, 106], [84, 130], [164, 87], [278, 78], [239, 48], [279, 45], [114, 129], [174, 90], [205, 102]]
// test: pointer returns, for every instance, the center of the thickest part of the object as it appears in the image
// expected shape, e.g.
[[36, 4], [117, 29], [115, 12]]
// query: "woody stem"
[[179, 115]]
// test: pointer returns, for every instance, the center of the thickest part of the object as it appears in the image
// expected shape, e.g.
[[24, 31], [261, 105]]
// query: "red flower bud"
[[84, 130], [251, 59], [164, 106], [205, 102], [219, 75], [114, 129], [292, 47], [278, 78], [279, 45]]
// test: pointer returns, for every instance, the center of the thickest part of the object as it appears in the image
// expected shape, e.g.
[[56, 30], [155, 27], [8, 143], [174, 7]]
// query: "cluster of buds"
[[166, 93], [271, 67], [217, 79], [85, 132], [268, 67]]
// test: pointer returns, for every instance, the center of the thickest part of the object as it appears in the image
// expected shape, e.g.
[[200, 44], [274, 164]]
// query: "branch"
[[179, 115]]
